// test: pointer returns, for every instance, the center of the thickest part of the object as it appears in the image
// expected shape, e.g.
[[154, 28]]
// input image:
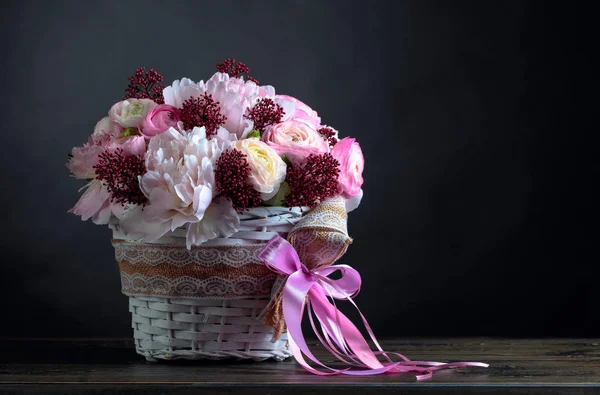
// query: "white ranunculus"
[[268, 169], [130, 113]]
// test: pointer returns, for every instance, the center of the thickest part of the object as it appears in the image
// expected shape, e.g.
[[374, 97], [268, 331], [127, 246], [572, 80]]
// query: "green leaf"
[[279, 198], [287, 160], [129, 132], [254, 134]]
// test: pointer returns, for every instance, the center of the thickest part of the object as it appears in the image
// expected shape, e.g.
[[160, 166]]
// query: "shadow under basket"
[[204, 302]]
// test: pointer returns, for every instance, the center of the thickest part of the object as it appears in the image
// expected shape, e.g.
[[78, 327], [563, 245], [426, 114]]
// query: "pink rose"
[[296, 110], [352, 162], [159, 119], [295, 139]]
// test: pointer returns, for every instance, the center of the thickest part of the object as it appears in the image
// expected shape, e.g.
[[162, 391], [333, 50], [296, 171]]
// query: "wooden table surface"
[[111, 366]]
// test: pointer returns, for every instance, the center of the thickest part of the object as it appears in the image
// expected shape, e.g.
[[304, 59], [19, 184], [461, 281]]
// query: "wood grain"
[[111, 366]]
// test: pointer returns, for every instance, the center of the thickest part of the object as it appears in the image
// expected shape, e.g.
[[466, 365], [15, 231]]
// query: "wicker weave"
[[203, 329], [186, 328]]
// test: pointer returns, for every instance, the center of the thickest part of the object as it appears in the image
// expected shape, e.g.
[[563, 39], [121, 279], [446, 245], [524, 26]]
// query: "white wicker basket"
[[211, 327]]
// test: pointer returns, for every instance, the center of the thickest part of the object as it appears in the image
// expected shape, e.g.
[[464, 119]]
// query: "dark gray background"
[[475, 219]]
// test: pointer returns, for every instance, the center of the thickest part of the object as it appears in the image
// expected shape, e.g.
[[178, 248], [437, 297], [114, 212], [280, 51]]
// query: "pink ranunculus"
[[295, 139], [353, 202], [236, 97], [159, 119], [297, 110], [352, 162], [107, 128], [131, 145]]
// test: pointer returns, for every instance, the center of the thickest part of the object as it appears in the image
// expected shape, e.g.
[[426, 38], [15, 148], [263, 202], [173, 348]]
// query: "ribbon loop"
[[348, 283], [313, 290], [280, 256]]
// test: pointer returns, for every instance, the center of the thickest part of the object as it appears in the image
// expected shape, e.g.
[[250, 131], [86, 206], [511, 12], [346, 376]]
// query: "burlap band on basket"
[[223, 272]]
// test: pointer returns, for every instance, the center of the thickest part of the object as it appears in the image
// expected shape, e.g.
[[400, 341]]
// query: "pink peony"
[[347, 151], [95, 204], [295, 139], [159, 119], [297, 110], [181, 90], [235, 97], [84, 158]]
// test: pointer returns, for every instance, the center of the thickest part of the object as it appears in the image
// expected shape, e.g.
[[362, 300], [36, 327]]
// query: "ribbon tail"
[[295, 292], [338, 325], [346, 343], [325, 337]]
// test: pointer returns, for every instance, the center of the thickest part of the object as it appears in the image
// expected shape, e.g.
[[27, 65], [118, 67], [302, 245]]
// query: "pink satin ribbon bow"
[[313, 289]]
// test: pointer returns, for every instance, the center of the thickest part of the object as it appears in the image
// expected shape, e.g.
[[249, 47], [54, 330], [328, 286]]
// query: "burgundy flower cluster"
[[228, 66], [312, 181], [120, 175], [329, 135], [231, 176], [203, 111], [145, 85], [264, 113]]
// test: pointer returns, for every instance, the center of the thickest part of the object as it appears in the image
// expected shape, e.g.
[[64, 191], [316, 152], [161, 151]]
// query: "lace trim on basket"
[[190, 287], [151, 254]]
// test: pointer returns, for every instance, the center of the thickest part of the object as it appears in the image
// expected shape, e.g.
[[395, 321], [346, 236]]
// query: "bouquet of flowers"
[[196, 156], [228, 205]]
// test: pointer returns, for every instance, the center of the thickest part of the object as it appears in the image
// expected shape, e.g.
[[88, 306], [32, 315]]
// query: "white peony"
[[180, 187]]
